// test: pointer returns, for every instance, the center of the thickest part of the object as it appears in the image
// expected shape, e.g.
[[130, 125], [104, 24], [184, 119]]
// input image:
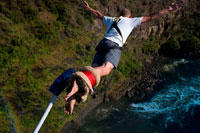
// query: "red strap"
[[90, 77]]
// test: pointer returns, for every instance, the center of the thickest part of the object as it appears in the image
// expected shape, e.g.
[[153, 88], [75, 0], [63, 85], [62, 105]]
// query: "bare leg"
[[105, 69]]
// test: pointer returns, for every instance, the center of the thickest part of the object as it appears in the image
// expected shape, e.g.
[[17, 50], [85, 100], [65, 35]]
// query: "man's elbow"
[[146, 19], [100, 17]]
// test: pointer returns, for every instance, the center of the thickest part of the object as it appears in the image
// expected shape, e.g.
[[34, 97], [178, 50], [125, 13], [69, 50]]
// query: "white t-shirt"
[[126, 25]]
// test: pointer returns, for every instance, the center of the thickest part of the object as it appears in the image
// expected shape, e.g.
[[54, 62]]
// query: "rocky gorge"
[[48, 37]]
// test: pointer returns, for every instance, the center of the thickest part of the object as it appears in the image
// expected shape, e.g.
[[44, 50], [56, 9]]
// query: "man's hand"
[[156, 15], [96, 13], [84, 5], [176, 5]]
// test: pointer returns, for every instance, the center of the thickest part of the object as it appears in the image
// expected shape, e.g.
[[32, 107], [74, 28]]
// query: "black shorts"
[[107, 51]]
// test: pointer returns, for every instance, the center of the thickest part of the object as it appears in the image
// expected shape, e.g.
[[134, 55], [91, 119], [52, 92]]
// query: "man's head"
[[125, 13]]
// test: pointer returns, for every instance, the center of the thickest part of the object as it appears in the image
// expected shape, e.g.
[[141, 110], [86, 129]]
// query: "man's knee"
[[108, 67]]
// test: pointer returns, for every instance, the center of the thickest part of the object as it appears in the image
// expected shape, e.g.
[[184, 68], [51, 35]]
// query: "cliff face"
[[41, 38], [174, 25]]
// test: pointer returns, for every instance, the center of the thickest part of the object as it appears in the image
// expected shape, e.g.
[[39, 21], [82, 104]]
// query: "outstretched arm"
[[156, 15], [96, 13]]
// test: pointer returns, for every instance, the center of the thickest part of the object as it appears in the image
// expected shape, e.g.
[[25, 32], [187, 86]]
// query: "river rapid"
[[174, 109]]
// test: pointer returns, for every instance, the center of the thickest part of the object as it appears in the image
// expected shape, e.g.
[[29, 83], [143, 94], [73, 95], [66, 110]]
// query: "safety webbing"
[[114, 25]]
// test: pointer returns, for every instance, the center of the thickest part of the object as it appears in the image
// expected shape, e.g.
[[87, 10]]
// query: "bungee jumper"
[[108, 51], [79, 84]]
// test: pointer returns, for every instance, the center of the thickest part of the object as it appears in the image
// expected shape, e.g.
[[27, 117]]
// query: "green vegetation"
[[170, 47], [40, 39], [150, 47], [6, 121], [186, 42], [191, 46]]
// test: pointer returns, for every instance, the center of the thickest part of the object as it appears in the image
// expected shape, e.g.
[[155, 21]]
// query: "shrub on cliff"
[[187, 47], [190, 47], [170, 48], [150, 47], [29, 13]]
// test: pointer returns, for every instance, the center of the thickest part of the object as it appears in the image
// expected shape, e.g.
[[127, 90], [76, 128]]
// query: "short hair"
[[125, 12]]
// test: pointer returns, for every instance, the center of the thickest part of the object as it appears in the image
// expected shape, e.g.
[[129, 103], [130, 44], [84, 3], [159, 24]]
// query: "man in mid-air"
[[108, 51]]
